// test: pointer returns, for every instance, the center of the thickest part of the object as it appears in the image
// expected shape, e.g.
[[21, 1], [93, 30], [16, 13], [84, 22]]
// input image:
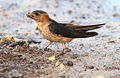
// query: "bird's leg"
[[46, 48], [65, 48], [36, 28]]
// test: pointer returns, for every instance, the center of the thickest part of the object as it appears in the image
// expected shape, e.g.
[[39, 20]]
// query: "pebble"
[[89, 67], [111, 41], [67, 63], [20, 43], [74, 56], [5, 14], [100, 77], [15, 74]]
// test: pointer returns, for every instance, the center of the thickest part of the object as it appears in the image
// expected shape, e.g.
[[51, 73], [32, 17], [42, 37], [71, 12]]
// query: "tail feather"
[[88, 27], [83, 27], [87, 34]]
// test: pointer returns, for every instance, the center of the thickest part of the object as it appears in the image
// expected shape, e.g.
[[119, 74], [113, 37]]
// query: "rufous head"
[[38, 15]]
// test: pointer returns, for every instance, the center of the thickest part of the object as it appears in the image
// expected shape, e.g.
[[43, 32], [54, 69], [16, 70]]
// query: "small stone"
[[100, 77], [74, 56], [67, 63], [5, 14], [20, 43], [89, 67], [111, 41], [57, 63], [7, 38], [84, 55], [72, 21], [17, 75], [25, 33], [70, 11], [14, 73], [62, 76], [62, 66], [82, 45], [34, 40], [52, 58], [66, 50], [83, 17], [108, 26], [116, 15], [55, 15]]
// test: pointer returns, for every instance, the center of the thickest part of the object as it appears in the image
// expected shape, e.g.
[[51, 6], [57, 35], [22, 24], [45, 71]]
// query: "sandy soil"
[[95, 57]]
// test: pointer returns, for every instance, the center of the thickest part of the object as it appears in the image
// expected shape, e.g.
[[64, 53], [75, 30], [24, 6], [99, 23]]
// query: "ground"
[[25, 57]]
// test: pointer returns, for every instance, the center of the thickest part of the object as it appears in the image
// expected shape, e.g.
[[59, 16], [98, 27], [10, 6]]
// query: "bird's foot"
[[47, 49], [66, 50]]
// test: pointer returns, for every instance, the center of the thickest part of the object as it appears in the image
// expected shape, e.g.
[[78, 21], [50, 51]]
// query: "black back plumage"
[[40, 11], [69, 32]]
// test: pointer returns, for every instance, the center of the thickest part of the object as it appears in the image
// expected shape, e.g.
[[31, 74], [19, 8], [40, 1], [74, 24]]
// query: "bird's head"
[[38, 16]]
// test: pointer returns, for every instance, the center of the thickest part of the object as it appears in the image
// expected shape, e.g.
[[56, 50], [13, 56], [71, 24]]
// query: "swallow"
[[60, 32]]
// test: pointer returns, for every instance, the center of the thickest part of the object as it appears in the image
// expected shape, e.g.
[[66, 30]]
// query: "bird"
[[63, 33]]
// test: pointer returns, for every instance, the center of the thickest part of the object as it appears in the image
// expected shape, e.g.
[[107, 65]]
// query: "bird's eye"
[[36, 14]]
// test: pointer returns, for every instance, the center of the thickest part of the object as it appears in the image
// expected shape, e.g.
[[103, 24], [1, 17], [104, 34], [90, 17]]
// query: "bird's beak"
[[28, 14], [31, 16]]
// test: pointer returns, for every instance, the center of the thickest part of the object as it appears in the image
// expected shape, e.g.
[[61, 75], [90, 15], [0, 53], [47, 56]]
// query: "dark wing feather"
[[60, 29], [83, 28]]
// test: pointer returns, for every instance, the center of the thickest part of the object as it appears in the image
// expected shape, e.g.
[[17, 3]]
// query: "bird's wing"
[[65, 31], [83, 28]]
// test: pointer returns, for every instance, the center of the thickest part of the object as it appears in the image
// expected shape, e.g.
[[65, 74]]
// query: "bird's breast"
[[47, 34]]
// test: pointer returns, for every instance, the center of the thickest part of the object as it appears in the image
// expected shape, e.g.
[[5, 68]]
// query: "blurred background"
[[115, 2]]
